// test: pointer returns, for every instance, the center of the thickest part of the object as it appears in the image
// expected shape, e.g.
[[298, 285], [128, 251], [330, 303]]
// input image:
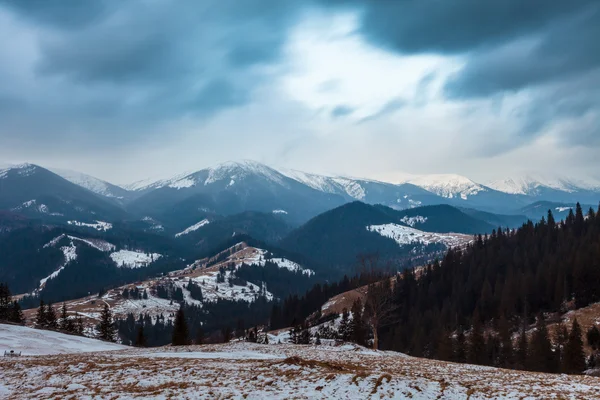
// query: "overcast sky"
[[124, 90]]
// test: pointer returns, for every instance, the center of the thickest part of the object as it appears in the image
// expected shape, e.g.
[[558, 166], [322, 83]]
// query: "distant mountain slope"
[[206, 234], [232, 188], [36, 192], [93, 184], [496, 220], [443, 218], [335, 238], [64, 263], [560, 210]]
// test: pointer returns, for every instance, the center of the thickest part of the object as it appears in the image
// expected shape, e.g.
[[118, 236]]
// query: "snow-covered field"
[[133, 259], [404, 235], [33, 342], [253, 371]]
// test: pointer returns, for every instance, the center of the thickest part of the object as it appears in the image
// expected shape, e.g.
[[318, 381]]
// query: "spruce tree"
[[561, 337], [79, 329], [317, 339], [541, 357], [180, 329], [51, 320], [199, 336], [476, 353], [505, 358], [522, 354], [106, 328], [5, 302], [460, 349], [593, 337], [445, 350], [358, 326], [16, 314], [140, 339], [64, 318], [574, 360], [40, 317], [345, 329]]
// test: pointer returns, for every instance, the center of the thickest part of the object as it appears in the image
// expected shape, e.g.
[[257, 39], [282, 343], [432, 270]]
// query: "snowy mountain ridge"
[[531, 184]]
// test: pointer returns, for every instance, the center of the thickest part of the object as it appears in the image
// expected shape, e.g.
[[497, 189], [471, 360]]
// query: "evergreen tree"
[[593, 337], [460, 347], [305, 335], [317, 339], [40, 316], [16, 314], [199, 336], [226, 332], [541, 357], [180, 329], [561, 338], [505, 358], [445, 349], [140, 339], [51, 320], [358, 326], [64, 318], [79, 329], [345, 329], [476, 353], [5, 302], [574, 360], [106, 328], [522, 354]]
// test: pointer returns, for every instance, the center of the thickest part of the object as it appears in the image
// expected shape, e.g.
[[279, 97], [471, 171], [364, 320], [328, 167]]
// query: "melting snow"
[[412, 221], [99, 225], [193, 227], [133, 259], [404, 235]]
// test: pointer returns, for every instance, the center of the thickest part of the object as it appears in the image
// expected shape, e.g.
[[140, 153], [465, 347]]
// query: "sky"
[[126, 90]]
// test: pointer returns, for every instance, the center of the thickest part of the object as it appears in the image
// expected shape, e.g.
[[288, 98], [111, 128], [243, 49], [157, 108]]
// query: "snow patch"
[[193, 228], [279, 212], [133, 259], [99, 225], [404, 235], [412, 221]]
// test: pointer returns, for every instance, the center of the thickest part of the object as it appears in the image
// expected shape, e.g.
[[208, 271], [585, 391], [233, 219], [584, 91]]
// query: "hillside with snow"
[[406, 236], [35, 342], [277, 371]]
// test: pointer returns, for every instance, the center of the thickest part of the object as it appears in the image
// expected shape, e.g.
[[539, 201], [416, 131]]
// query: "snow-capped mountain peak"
[[531, 184], [448, 185], [24, 169], [90, 183]]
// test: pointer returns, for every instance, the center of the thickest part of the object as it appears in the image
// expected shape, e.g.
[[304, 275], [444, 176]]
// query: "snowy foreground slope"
[[253, 371], [33, 342]]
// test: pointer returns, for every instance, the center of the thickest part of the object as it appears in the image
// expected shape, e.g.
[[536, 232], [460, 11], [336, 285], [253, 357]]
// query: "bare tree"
[[379, 308]]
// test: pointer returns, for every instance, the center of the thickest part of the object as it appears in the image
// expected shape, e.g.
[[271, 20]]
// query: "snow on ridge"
[[404, 235], [95, 243], [88, 182], [563, 209], [279, 212], [133, 259], [41, 208], [236, 170], [412, 221], [24, 169], [448, 185], [99, 225], [259, 258], [70, 253], [193, 228], [531, 184]]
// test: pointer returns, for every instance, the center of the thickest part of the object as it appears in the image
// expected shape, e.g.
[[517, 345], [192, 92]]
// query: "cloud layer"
[[365, 87]]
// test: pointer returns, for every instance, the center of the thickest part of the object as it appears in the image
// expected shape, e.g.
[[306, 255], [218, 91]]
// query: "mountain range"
[[234, 187], [321, 222]]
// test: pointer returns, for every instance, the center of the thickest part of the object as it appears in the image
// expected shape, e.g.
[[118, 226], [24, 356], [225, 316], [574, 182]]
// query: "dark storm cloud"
[[144, 61], [68, 14]]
